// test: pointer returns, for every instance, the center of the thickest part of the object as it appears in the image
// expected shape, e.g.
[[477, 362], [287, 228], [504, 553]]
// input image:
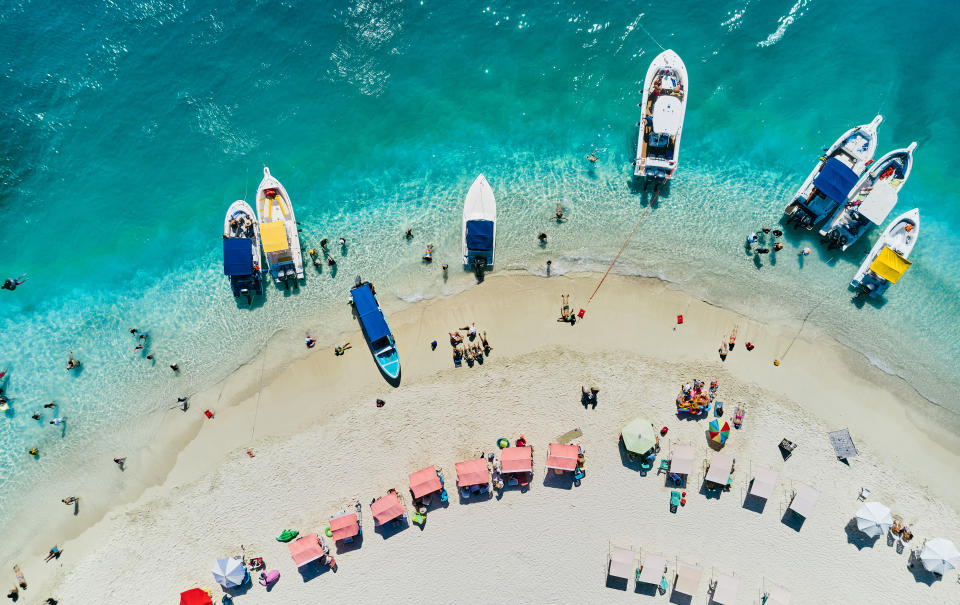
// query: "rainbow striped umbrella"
[[718, 432]]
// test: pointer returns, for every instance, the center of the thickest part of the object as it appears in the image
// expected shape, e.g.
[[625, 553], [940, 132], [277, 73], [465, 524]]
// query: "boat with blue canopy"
[[838, 170], [375, 329], [241, 251], [479, 227]]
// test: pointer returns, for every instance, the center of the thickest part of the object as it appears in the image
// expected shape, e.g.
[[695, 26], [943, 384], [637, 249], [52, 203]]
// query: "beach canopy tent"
[[764, 481], [425, 482], [843, 444], [479, 235], [889, 265], [777, 595], [639, 436], [563, 457], [473, 472], [386, 509], [516, 459], [725, 592], [371, 317], [688, 579], [874, 519], [681, 460], [653, 568], [273, 237], [720, 469], [621, 562], [237, 256], [344, 525], [306, 549], [939, 555], [804, 498], [229, 572], [835, 180], [195, 596]]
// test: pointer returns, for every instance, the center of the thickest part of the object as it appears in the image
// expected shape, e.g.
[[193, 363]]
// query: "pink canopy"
[[472, 472], [425, 482], [563, 457], [516, 459], [305, 549], [386, 509], [344, 526]]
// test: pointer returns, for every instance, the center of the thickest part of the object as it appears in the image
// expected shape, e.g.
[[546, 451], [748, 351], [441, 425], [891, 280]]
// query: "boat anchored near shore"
[[278, 231], [887, 261], [375, 329], [479, 227], [664, 105], [241, 251], [834, 175], [871, 200]]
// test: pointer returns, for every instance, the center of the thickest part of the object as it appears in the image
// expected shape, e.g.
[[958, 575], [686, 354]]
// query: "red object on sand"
[[581, 313], [195, 596], [208, 413], [679, 319], [749, 346], [683, 501], [663, 431]]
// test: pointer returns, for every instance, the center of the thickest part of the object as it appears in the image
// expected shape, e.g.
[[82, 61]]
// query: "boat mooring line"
[[614, 262], [651, 35], [256, 413]]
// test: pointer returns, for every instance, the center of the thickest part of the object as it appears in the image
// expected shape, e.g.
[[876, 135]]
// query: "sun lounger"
[[674, 501], [864, 494], [664, 465]]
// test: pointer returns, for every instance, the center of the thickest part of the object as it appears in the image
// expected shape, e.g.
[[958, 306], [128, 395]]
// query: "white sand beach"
[[194, 495]]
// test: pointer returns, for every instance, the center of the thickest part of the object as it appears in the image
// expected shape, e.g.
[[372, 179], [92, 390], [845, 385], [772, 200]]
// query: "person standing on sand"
[[175, 367], [589, 396], [723, 351], [733, 337], [120, 461]]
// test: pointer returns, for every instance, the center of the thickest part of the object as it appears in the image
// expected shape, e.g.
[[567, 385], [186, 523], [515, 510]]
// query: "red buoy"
[[679, 319]]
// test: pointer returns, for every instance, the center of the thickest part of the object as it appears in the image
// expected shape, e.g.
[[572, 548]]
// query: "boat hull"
[[658, 148], [899, 238], [376, 332]]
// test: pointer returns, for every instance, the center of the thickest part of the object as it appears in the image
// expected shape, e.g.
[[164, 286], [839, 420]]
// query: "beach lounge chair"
[[674, 501], [864, 494], [664, 465], [645, 466]]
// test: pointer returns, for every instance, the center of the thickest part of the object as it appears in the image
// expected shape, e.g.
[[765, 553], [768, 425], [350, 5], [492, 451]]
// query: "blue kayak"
[[375, 329]]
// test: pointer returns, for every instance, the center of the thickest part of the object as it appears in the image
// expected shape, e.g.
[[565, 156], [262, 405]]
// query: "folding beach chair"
[[674, 501], [664, 466]]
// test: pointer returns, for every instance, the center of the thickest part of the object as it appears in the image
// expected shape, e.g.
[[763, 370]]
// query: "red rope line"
[[635, 227]]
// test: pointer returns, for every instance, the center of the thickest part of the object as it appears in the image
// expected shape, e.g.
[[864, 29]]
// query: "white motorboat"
[[871, 200], [241, 250], [834, 175], [887, 261], [278, 231], [479, 227], [664, 105]]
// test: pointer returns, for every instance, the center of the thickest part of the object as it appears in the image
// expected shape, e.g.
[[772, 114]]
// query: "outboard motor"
[[479, 266], [357, 282]]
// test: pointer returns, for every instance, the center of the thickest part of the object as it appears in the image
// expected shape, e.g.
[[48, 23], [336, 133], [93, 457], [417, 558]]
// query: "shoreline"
[[191, 448]]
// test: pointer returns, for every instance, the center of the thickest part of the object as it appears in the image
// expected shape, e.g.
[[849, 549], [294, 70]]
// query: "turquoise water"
[[130, 127]]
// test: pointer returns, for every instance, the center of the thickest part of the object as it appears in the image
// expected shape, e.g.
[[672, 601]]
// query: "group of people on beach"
[[727, 344], [470, 349]]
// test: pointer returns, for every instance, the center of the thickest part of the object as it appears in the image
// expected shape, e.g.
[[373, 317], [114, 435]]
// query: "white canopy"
[[681, 461], [688, 579], [874, 519], [229, 573], [763, 483], [653, 568], [667, 115], [939, 555], [879, 202], [777, 595], [621, 562], [803, 500], [725, 592], [720, 468]]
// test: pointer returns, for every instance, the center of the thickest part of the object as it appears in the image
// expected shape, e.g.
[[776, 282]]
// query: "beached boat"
[[375, 329], [887, 261], [834, 175], [871, 200], [278, 231], [479, 227], [664, 104], [241, 250]]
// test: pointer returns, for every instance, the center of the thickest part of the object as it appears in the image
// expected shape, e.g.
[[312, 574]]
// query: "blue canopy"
[[237, 256], [836, 180], [371, 317], [480, 235]]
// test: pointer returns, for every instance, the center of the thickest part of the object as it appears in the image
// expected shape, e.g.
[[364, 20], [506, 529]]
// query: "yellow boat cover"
[[273, 236], [889, 265]]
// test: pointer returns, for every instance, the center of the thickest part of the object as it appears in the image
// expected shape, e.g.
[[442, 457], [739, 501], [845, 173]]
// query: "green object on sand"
[[287, 535]]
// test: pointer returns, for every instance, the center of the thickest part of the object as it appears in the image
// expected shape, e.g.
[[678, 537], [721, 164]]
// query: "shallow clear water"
[[130, 127]]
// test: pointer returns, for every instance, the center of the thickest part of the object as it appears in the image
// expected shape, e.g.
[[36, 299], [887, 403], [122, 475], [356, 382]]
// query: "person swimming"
[[72, 363], [428, 255], [11, 284]]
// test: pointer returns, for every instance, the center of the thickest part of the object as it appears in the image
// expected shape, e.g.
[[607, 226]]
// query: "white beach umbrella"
[[939, 555], [229, 572], [874, 519]]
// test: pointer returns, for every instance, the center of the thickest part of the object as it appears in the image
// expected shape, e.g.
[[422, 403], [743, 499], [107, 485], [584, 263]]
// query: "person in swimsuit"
[[733, 337], [72, 363], [559, 214], [723, 351], [11, 284], [486, 345], [54, 553], [565, 308]]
